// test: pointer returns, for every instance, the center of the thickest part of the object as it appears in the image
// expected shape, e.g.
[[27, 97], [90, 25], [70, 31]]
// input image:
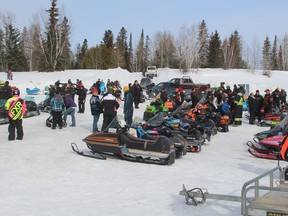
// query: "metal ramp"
[[267, 194]]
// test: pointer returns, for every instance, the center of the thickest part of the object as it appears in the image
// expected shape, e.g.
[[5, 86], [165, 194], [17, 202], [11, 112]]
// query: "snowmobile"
[[3, 113], [180, 143], [44, 106], [280, 128], [267, 148], [194, 135], [115, 140], [31, 107], [154, 108]]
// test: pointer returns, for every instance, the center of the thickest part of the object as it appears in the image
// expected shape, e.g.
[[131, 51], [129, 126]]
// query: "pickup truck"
[[187, 83]]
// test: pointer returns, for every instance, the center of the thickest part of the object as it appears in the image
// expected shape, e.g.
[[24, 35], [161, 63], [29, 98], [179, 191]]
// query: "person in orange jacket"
[[16, 108]]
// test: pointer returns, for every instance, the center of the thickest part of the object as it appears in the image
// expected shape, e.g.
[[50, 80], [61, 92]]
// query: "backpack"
[[57, 103], [284, 149]]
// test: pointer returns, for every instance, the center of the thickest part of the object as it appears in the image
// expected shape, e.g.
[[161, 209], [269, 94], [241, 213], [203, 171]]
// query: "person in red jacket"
[[16, 108]]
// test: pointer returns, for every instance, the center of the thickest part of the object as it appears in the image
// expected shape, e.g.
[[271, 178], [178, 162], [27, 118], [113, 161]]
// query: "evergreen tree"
[[107, 51], [130, 57], [2, 51], [203, 40], [122, 49], [15, 56], [139, 61], [215, 55], [266, 57], [55, 48], [274, 56], [280, 58]]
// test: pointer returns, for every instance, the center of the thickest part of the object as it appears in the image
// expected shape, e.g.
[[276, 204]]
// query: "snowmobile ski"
[[259, 149], [271, 156], [91, 155]]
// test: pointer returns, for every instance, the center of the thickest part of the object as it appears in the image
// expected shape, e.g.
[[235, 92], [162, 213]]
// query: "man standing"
[[136, 90], [128, 106], [96, 109], [110, 105], [16, 107]]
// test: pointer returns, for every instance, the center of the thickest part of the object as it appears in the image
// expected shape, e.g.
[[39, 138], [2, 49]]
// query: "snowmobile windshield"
[[281, 125], [117, 123], [156, 120]]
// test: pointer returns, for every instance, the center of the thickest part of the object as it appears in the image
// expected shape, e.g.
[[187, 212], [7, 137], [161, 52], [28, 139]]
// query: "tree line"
[[46, 47]]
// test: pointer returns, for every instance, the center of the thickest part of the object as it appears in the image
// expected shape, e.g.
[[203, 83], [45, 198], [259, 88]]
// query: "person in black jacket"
[[252, 107], [110, 105], [96, 109], [81, 92], [6, 91], [258, 104], [136, 90]]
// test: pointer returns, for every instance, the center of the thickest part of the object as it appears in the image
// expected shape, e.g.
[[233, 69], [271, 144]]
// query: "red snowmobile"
[[115, 140]]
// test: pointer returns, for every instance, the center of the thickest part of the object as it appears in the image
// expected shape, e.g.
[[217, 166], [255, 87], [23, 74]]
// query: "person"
[[16, 108], [136, 90], [128, 106], [70, 109], [163, 95], [283, 95], [252, 108], [57, 105], [267, 102], [96, 109], [82, 93], [110, 105], [179, 97], [9, 75], [6, 91], [238, 101], [258, 105], [276, 98]]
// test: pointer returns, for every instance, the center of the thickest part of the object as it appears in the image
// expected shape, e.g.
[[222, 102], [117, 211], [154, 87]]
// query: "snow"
[[41, 175]]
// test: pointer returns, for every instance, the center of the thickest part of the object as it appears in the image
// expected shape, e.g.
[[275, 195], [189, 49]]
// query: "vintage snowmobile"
[[267, 148], [117, 141], [180, 142], [280, 128], [31, 107], [194, 135]]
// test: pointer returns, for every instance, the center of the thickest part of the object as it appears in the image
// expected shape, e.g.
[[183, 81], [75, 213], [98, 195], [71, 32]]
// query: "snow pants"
[[15, 124]]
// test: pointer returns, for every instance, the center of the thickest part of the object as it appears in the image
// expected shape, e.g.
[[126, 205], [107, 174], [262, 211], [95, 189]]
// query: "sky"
[[89, 19]]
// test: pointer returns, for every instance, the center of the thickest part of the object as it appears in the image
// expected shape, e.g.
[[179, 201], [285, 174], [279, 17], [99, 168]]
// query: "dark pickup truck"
[[187, 83]]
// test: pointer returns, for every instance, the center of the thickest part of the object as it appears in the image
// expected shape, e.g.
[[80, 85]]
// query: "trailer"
[[266, 194]]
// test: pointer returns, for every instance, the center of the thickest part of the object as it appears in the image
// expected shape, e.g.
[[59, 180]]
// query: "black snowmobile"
[[3, 113], [115, 140], [31, 107], [193, 135]]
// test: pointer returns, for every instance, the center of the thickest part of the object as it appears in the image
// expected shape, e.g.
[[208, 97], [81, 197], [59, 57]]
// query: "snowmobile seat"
[[147, 145]]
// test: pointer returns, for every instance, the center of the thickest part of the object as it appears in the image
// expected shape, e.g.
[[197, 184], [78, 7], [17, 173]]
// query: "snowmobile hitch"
[[93, 155]]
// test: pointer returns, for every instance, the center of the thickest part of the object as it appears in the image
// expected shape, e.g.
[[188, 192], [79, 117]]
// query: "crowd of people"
[[106, 98]]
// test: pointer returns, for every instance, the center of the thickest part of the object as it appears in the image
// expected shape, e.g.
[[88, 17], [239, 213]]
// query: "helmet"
[[16, 91]]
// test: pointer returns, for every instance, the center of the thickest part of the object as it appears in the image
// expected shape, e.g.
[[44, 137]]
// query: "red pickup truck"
[[187, 83]]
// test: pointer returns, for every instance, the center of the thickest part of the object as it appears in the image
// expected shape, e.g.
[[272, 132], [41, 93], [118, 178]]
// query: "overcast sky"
[[90, 18]]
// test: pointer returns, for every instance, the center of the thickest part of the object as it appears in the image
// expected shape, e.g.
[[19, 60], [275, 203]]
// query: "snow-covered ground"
[[41, 175]]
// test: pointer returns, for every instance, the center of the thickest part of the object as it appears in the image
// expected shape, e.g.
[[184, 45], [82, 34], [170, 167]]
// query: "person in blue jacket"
[[128, 105]]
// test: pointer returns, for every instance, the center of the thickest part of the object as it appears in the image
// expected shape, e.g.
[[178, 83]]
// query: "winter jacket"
[[128, 103], [69, 102], [82, 92], [16, 107], [6, 92], [95, 105], [109, 104]]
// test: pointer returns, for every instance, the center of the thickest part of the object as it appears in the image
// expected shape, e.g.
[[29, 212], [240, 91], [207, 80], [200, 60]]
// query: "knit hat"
[[126, 88], [94, 90]]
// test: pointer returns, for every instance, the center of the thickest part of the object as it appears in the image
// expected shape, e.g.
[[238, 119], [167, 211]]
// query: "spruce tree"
[[215, 57], [266, 57], [274, 56], [203, 40]]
